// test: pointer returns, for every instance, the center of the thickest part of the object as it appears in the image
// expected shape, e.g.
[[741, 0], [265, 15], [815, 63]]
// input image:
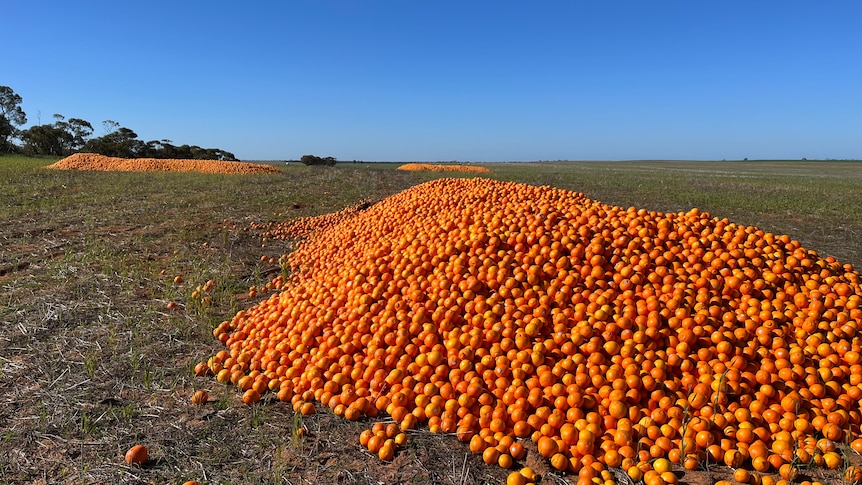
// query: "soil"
[[91, 363]]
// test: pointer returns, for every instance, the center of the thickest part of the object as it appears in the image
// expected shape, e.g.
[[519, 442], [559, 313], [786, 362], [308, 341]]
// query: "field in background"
[[92, 361]]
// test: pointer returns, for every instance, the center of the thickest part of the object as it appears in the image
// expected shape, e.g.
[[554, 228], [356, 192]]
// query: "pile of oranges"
[[611, 337], [94, 161], [431, 167], [302, 227]]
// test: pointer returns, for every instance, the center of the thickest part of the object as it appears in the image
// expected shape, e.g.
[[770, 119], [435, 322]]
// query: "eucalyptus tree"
[[11, 117]]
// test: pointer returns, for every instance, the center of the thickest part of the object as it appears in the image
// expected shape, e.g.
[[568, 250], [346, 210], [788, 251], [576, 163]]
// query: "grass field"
[[92, 361]]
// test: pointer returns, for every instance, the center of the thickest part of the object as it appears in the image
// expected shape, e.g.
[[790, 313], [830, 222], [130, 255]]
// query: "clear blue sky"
[[412, 80]]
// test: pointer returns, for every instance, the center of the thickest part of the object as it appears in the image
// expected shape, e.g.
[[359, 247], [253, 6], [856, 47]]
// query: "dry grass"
[[92, 362]]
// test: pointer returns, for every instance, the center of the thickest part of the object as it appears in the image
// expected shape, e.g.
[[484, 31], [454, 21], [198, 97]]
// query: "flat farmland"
[[104, 315]]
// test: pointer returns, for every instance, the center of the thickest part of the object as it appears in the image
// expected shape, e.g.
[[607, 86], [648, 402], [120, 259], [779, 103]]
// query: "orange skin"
[[496, 309]]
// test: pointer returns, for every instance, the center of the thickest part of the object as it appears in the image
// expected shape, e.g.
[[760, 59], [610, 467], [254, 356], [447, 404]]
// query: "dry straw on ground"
[[93, 161]]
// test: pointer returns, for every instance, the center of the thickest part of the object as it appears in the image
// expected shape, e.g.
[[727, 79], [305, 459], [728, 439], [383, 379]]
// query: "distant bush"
[[315, 160]]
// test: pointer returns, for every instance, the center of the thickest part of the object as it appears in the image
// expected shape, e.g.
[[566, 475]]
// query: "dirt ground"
[[92, 361]]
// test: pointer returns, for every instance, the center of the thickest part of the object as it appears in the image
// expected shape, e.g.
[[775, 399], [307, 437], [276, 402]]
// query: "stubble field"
[[92, 360]]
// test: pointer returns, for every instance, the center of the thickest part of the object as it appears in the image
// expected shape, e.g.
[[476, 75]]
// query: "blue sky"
[[451, 80]]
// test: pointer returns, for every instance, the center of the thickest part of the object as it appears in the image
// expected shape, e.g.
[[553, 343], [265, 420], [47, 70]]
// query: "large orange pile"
[[93, 161], [611, 337], [430, 167]]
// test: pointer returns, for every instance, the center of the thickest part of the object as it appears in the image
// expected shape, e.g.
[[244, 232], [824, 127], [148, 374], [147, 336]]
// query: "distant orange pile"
[[443, 168], [611, 337], [93, 161]]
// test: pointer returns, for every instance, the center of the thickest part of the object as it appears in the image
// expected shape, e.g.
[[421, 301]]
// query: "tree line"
[[64, 137]]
